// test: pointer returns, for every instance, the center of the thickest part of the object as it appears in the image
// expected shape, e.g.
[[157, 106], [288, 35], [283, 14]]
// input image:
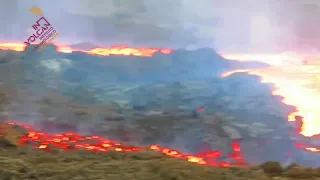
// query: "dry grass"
[[26, 163]]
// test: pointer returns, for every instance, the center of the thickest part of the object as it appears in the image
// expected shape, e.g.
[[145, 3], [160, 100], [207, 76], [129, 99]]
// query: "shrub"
[[300, 173], [272, 168]]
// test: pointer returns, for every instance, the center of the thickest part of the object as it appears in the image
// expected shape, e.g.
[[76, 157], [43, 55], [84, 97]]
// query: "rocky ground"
[[193, 116]]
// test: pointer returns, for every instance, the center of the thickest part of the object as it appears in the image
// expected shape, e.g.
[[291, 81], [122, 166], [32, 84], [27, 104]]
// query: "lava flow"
[[73, 141], [114, 50], [300, 87]]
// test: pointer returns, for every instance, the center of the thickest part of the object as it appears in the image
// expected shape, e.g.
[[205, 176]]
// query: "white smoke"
[[56, 65], [230, 26]]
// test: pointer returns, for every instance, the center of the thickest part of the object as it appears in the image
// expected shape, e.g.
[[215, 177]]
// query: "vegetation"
[[25, 162]]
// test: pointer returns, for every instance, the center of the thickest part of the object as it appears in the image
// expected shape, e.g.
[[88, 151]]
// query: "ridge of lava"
[[123, 50]]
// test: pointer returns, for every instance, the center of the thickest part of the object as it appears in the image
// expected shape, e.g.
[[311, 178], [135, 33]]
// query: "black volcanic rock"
[[50, 51], [180, 65]]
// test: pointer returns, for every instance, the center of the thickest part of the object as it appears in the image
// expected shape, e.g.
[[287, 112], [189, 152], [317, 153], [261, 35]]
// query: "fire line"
[[72, 141]]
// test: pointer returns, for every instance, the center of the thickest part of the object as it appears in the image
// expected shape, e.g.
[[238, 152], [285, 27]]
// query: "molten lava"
[[308, 148], [12, 46], [300, 87], [73, 141], [297, 80], [126, 51], [115, 50]]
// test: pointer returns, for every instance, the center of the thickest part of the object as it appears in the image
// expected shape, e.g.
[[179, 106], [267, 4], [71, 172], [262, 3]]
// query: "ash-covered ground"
[[177, 101]]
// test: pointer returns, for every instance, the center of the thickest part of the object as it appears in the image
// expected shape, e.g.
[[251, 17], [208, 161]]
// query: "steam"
[[229, 26]]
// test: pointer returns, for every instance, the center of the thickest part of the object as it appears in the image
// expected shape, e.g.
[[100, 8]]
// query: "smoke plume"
[[229, 26]]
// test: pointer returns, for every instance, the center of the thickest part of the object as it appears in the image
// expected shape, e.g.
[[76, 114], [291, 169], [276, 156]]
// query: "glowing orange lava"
[[308, 148], [115, 50], [300, 87], [73, 141], [12, 46], [296, 81]]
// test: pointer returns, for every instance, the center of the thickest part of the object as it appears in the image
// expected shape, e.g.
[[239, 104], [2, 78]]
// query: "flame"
[[114, 50], [72, 141]]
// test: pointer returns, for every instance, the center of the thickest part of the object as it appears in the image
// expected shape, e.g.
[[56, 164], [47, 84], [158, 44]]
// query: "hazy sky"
[[228, 25]]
